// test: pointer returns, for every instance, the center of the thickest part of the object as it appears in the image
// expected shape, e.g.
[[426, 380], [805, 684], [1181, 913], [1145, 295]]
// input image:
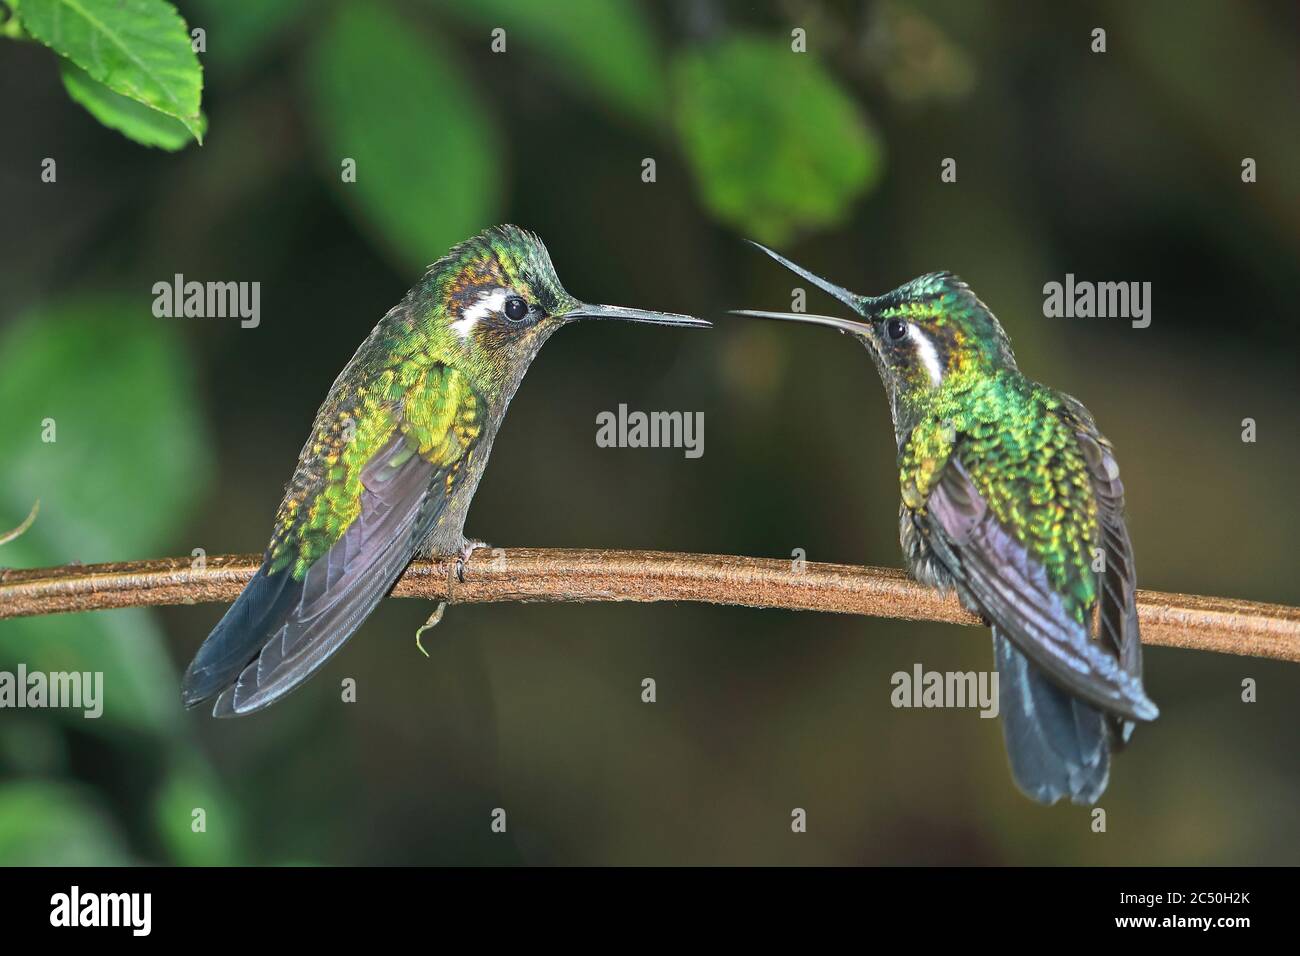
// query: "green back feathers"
[[1019, 448]]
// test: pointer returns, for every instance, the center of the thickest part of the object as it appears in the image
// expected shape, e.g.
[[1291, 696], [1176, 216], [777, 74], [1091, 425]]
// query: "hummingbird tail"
[[1059, 746], [240, 634], [284, 627]]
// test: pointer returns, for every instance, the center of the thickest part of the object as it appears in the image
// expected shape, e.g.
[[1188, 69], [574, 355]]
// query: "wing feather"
[[1013, 592], [342, 588], [290, 620]]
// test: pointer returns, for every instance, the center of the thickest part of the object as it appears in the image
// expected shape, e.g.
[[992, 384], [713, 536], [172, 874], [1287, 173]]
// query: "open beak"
[[584, 311], [858, 303], [844, 325]]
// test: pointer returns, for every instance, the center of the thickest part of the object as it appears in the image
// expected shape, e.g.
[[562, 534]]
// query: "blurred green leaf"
[[130, 455], [31, 745], [47, 824], [603, 47], [133, 120], [238, 32], [140, 688], [775, 144], [428, 171], [128, 461], [138, 48], [186, 790]]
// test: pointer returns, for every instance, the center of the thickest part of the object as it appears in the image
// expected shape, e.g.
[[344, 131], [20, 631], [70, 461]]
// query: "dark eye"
[[516, 309], [896, 330]]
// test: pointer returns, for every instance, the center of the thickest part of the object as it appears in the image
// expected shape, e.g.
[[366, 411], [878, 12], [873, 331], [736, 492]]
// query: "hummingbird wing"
[[1013, 588], [1117, 600], [349, 525], [1116, 618]]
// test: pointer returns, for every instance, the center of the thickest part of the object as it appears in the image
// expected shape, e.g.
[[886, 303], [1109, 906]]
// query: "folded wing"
[[357, 516], [1012, 589]]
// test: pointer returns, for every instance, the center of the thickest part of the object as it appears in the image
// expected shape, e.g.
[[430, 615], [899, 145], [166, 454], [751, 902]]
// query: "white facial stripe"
[[926, 352], [488, 302]]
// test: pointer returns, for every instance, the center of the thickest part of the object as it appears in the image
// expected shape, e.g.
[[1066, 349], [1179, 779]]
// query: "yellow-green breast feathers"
[[437, 412]]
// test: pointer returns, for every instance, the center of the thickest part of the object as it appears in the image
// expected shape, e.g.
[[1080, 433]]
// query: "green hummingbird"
[[394, 457], [1012, 498]]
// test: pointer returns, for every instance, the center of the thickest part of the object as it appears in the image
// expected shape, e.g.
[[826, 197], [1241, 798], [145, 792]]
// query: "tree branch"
[[1226, 625]]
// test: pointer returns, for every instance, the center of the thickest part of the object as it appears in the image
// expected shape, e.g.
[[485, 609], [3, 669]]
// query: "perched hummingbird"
[[1010, 496], [395, 454]]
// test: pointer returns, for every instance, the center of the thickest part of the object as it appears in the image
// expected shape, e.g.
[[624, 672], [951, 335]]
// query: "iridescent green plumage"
[[415, 375], [1011, 497], [392, 463], [1016, 443]]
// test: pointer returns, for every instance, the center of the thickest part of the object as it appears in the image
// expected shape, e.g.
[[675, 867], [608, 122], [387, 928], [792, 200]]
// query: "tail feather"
[[240, 634], [1059, 746], [282, 629]]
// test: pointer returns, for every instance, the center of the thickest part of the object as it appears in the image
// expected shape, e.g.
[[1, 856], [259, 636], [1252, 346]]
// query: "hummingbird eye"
[[516, 309], [896, 330]]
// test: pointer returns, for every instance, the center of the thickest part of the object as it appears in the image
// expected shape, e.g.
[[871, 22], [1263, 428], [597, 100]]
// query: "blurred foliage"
[[138, 51], [774, 143], [241, 32], [103, 428], [175, 434], [599, 47], [45, 824], [428, 159], [109, 379], [914, 57]]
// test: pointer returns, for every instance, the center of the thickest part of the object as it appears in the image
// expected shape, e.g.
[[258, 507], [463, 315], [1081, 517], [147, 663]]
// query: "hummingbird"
[[395, 454], [1011, 497]]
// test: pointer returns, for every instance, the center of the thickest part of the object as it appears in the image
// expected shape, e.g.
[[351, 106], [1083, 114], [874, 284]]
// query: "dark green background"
[[180, 434]]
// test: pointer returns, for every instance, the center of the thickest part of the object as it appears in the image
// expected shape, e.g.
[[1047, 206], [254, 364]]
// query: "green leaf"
[[602, 47], [133, 120], [48, 824], [138, 48], [112, 386], [428, 170], [776, 146]]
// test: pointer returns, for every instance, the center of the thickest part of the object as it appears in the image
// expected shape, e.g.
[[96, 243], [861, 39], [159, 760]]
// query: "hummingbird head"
[[919, 335], [500, 300]]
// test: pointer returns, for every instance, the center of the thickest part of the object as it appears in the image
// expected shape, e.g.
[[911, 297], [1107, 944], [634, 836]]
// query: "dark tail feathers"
[[1058, 745]]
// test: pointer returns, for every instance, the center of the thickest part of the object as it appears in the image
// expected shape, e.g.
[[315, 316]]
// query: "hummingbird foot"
[[431, 623], [466, 550], [435, 618]]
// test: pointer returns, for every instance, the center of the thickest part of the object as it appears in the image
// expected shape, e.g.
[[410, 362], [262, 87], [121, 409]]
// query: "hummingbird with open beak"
[[1012, 498], [394, 457]]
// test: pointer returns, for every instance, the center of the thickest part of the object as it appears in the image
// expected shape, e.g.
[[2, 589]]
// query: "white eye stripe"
[[488, 302], [927, 353]]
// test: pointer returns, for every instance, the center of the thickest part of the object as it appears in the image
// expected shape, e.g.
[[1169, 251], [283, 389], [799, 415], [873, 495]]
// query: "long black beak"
[[844, 325], [585, 311], [858, 303]]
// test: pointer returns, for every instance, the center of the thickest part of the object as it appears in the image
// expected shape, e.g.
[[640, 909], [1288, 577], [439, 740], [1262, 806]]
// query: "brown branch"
[[531, 574]]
